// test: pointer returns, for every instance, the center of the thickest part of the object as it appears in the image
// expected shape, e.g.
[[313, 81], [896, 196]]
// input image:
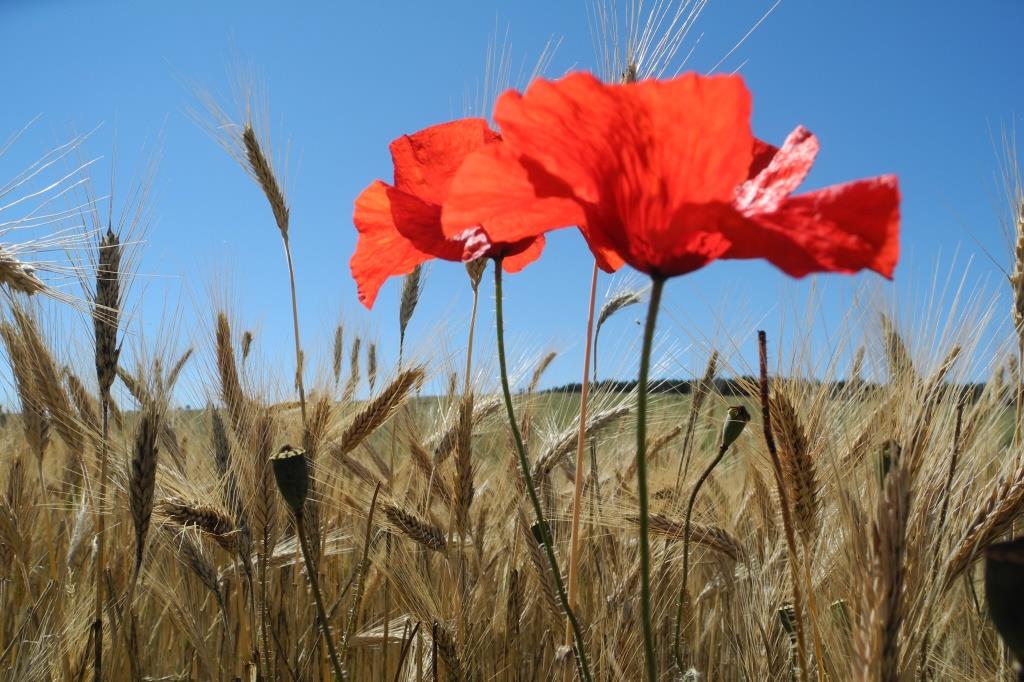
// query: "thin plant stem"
[[524, 463], [812, 608], [465, 412], [581, 441], [321, 612], [1019, 397], [101, 543], [924, 671], [650, 662], [295, 328], [677, 643]]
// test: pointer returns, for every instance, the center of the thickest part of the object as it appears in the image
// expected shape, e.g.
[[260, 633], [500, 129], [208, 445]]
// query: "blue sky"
[[918, 89]]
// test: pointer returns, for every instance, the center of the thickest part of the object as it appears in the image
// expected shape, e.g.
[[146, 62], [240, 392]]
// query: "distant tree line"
[[742, 386]]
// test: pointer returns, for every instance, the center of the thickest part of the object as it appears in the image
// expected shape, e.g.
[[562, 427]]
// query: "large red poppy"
[[667, 176], [400, 224]]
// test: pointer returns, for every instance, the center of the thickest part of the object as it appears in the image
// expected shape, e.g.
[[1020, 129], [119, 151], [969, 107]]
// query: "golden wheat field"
[[832, 512]]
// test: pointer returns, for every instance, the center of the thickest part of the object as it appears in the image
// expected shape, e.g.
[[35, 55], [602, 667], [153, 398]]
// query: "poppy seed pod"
[[1004, 591], [291, 470], [735, 422]]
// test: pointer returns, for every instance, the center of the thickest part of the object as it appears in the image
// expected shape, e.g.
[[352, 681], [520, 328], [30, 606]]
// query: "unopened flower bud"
[[735, 422], [291, 470]]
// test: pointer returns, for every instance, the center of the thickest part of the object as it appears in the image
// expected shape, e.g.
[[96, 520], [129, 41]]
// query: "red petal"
[[381, 251], [426, 161], [522, 254], [843, 228], [785, 171], [512, 198], [608, 259], [763, 153], [635, 154]]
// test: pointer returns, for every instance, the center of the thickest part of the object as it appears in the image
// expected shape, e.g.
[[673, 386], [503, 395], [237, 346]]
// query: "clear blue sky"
[[914, 88]]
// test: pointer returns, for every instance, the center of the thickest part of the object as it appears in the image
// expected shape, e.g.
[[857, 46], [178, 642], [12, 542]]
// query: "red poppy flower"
[[400, 225], [668, 177]]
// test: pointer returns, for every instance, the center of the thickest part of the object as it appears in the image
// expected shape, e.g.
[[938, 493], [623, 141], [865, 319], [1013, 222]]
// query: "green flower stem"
[[677, 644], [321, 612], [517, 437], [651, 663]]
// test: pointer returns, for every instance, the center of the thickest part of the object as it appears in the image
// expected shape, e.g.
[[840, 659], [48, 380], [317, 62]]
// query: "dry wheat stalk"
[[353, 371], [246, 344], [992, 518], [230, 386], [337, 352], [565, 444], [538, 371], [86, 407], [878, 640], [17, 275], [48, 385], [142, 478], [263, 172], [209, 519], [220, 442], [797, 466], [712, 537], [421, 458], [896, 354], [371, 366], [34, 418], [376, 412], [190, 553], [107, 306], [699, 396], [541, 567], [442, 443], [464, 463], [415, 528], [445, 643], [176, 368], [412, 287]]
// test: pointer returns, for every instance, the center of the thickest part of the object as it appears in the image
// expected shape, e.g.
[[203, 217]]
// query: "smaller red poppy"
[[399, 225]]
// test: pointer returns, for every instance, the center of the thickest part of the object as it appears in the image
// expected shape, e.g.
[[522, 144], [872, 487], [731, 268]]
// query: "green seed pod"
[[735, 422], [1004, 591], [291, 470]]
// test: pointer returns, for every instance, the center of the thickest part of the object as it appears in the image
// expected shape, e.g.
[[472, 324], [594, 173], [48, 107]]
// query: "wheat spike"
[[712, 537], [353, 372], [142, 479], [230, 385], [376, 412], [18, 275], [412, 287], [538, 371], [212, 521], [371, 366], [415, 528], [993, 517], [565, 444], [190, 553], [338, 352], [797, 466], [261, 169]]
